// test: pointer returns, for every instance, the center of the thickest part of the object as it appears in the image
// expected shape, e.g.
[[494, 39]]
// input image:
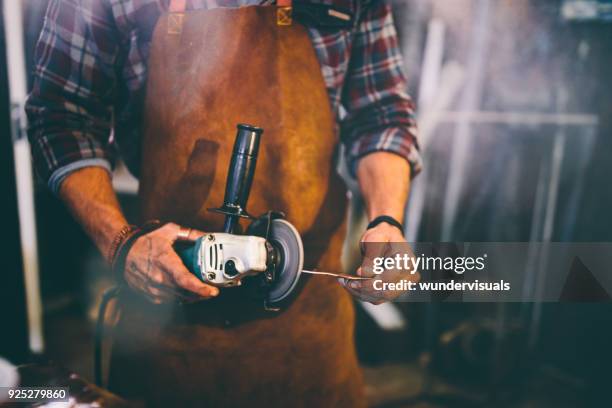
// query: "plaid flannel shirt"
[[91, 70]]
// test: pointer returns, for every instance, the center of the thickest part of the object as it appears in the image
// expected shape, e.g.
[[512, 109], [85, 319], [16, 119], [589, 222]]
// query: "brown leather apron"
[[208, 71]]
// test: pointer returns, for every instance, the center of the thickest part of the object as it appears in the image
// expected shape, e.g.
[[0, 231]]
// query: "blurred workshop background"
[[515, 112]]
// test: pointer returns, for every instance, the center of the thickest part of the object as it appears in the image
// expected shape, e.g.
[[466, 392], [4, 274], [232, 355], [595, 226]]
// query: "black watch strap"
[[389, 220]]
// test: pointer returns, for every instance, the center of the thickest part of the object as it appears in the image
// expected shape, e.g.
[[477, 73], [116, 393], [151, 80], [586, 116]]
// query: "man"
[[93, 63]]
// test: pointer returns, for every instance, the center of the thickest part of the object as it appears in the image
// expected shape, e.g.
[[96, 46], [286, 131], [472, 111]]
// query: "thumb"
[[351, 284]]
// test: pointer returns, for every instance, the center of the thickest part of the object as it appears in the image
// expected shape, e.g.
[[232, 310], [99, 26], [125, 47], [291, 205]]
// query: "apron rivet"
[[284, 16]]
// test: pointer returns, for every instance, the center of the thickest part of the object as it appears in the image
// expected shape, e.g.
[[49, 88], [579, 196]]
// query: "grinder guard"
[[287, 255]]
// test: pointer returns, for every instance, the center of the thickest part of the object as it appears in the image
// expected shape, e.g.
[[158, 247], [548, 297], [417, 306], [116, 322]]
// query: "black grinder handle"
[[240, 175]]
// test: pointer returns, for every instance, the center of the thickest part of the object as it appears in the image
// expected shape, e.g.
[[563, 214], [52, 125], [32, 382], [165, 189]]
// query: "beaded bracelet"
[[119, 238], [120, 256]]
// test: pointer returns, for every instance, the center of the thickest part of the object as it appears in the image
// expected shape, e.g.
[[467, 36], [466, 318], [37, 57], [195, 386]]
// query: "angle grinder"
[[270, 254], [225, 259]]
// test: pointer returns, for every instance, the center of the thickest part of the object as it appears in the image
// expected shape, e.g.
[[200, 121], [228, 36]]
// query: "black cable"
[[108, 295], [117, 265]]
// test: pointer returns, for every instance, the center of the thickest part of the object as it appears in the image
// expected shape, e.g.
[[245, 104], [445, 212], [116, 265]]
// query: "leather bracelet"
[[118, 240], [389, 220], [118, 261]]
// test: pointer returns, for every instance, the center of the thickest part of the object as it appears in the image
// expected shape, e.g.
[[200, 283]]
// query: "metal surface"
[[13, 26]]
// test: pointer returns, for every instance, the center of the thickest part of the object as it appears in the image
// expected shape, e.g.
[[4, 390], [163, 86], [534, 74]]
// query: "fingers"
[[361, 292], [170, 231], [185, 279], [351, 285], [372, 250], [195, 234], [155, 269], [383, 241], [174, 231]]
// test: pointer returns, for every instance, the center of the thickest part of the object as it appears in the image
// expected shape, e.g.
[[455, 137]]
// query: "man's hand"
[[384, 180], [384, 240], [153, 268]]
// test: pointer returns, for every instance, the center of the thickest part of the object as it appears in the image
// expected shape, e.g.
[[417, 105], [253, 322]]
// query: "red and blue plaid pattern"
[[91, 70]]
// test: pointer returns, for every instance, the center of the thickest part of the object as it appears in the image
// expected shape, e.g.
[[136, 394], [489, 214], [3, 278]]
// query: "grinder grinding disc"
[[287, 241]]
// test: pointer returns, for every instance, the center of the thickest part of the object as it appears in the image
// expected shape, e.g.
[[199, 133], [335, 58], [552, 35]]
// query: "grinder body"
[[223, 259]]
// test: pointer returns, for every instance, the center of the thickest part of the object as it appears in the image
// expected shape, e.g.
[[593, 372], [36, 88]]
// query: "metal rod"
[[338, 275]]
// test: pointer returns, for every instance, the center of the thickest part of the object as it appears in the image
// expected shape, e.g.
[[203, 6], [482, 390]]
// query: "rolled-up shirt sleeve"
[[380, 113], [70, 105]]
